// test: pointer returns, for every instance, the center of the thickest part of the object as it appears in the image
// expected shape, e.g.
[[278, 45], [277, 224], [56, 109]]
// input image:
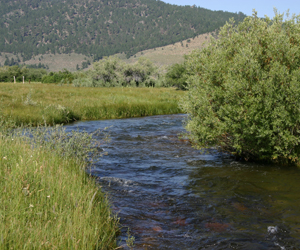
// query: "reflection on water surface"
[[175, 197]]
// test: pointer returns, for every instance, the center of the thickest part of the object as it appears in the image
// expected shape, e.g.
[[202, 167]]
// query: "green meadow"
[[37, 103]]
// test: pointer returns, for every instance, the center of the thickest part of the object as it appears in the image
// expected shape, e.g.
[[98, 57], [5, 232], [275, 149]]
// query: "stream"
[[172, 196]]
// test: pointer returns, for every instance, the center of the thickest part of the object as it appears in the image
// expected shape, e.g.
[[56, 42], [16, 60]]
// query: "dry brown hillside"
[[174, 53]]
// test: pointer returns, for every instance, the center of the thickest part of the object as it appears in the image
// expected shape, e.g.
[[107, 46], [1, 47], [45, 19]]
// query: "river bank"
[[49, 202], [48, 199]]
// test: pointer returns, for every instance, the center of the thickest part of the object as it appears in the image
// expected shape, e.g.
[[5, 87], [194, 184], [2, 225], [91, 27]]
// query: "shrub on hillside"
[[244, 92]]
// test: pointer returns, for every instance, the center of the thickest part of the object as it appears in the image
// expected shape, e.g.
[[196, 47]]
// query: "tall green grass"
[[47, 201], [52, 104]]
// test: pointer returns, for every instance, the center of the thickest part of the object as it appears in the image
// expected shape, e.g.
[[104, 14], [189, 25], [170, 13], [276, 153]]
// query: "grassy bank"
[[47, 201], [39, 103]]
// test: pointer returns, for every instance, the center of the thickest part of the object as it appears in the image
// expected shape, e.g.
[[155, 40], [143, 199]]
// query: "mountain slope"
[[100, 27], [173, 53], [160, 56]]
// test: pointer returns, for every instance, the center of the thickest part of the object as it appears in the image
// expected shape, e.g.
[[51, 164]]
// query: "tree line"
[[107, 72], [7, 73]]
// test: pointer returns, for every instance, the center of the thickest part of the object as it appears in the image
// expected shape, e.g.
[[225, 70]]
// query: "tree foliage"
[[7, 74], [113, 72], [64, 76], [244, 91], [177, 76]]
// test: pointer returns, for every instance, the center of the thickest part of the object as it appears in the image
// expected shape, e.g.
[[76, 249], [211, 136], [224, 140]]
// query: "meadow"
[[51, 104], [47, 199]]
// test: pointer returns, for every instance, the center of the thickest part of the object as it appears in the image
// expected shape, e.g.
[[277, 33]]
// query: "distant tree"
[[7, 62], [64, 76], [176, 76]]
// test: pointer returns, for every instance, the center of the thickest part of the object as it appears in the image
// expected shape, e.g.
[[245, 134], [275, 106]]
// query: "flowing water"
[[172, 196]]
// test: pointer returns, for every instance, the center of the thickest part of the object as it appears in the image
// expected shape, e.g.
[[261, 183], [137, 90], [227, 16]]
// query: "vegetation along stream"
[[172, 196]]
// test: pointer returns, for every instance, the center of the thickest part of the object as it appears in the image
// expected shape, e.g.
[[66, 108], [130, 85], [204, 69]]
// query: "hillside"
[[100, 27], [160, 56], [173, 53]]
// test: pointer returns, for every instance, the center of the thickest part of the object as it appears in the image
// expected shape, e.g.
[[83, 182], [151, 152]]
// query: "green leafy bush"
[[176, 76], [108, 72], [113, 72], [7, 74], [244, 92], [64, 76]]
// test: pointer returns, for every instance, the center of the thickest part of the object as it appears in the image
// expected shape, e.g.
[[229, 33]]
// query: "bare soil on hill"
[[173, 53], [58, 62]]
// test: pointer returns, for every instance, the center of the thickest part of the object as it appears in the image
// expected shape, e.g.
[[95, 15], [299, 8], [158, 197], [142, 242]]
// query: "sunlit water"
[[172, 196]]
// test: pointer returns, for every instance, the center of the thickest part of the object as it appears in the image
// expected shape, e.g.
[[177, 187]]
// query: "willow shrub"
[[244, 95], [113, 72]]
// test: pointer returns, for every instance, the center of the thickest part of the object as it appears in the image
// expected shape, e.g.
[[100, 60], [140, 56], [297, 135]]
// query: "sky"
[[263, 7]]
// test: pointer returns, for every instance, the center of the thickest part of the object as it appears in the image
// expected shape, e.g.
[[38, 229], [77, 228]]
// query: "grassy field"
[[47, 201], [37, 103]]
